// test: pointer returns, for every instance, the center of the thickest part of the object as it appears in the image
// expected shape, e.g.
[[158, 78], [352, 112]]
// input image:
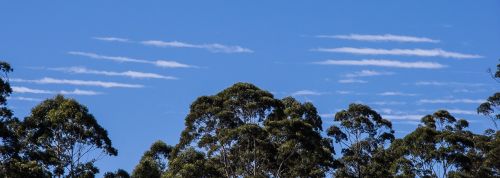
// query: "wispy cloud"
[[111, 39], [80, 92], [414, 117], [367, 73], [383, 63], [402, 52], [344, 92], [20, 98], [48, 80], [214, 47], [306, 92], [159, 63], [451, 101], [385, 37], [385, 103], [352, 81], [16, 89], [461, 111], [395, 93], [438, 83], [463, 90], [131, 74]]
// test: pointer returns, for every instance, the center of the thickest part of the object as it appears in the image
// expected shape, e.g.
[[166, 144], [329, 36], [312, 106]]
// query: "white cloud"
[[414, 117], [451, 101], [463, 90], [131, 74], [20, 98], [342, 92], [80, 92], [393, 93], [159, 63], [461, 111], [351, 81], [112, 39], [385, 37], [383, 63], [214, 47], [384, 103], [437, 83], [403, 52], [16, 89], [367, 73], [171, 64], [48, 80], [306, 92]]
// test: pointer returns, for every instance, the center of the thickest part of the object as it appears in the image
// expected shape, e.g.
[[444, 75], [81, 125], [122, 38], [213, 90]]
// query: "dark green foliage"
[[491, 107], [192, 163], [153, 162], [60, 133], [245, 132], [363, 134], [120, 173], [12, 162], [438, 148]]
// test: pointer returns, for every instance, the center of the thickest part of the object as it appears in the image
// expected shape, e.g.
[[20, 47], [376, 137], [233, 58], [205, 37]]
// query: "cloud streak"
[[367, 73], [437, 83], [401, 52], [451, 101], [461, 111], [20, 98], [48, 80], [306, 92], [381, 38], [111, 39], [413, 117], [393, 93], [130, 74], [213, 47], [159, 63], [16, 89], [352, 81], [383, 63]]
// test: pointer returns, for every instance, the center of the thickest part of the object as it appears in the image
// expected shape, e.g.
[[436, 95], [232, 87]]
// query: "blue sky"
[[139, 65]]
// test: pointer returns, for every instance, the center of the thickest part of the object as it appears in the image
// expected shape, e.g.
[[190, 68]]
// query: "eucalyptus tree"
[[491, 107], [13, 160], [120, 173], [362, 135], [154, 162], [65, 138], [298, 148], [245, 132], [437, 148]]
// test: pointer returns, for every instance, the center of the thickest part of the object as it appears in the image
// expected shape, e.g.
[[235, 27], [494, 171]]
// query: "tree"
[[438, 148], [192, 163], [362, 134], [299, 150], [120, 173], [62, 135], [13, 163], [154, 161], [245, 132], [491, 107]]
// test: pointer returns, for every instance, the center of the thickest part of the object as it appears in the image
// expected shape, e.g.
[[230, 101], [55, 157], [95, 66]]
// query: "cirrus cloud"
[[384, 63], [401, 52]]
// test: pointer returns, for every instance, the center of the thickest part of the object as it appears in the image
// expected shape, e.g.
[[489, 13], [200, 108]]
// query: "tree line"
[[244, 131]]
